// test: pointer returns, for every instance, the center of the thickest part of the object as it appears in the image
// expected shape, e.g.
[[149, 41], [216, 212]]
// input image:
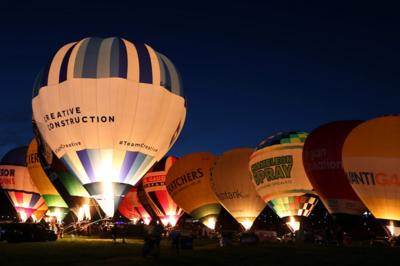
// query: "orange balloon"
[[188, 183]]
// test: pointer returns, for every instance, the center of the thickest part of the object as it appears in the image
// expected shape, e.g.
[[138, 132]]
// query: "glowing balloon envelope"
[[18, 185], [110, 109], [154, 186], [188, 183], [279, 175], [39, 213], [69, 187], [55, 203], [132, 209], [232, 184], [322, 157], [290, 206], [371, 159]]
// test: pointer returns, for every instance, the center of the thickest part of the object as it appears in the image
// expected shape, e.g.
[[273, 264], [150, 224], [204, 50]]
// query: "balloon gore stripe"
[[104, 58]]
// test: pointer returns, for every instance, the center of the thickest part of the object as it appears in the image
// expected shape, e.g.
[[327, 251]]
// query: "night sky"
[[249, 68]]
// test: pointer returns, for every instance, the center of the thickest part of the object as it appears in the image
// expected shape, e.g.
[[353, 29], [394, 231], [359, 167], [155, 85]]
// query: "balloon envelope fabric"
[[277, 166], [188, 183], [322, 157], [132, 208], [110, 109], [231, 182], [154, 186], [55, 203], [371, 159], [293, 205]]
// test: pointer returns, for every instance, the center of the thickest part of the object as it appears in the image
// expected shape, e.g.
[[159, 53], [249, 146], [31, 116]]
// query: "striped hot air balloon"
[[160, 201], [280, 178], [18, 184], [110, 109], [55, 203]]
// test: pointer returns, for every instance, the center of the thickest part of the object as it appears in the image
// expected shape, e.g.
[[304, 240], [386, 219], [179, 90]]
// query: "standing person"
[[123, 234], [61, 231], [176, 238], [114, 233], [148, 241], [156, 237]]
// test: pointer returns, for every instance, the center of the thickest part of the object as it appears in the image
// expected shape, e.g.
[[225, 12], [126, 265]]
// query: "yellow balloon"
[[232, 184], [188, 183], [371, 159]]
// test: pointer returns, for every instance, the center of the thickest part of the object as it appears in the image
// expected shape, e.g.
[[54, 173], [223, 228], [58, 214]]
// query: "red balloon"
[[132, 208], [322, 158]]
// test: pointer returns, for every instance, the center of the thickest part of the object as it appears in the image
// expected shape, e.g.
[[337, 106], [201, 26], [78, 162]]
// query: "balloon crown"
[[283, 138], [112, 57]]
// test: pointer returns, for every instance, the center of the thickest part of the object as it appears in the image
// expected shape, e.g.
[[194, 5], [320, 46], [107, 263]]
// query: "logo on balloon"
[[32, 158], [372, 179], [71, 116], [272, 169], [230, 195], [7, 172], [7, 177], [185, 179]]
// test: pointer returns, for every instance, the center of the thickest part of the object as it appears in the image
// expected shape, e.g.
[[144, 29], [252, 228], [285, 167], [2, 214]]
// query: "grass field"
[[105, 252]]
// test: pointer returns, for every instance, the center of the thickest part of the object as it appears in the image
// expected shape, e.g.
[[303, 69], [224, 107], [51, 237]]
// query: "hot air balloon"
[[188, 183], [18, 185], [322, 158], [371, 160], [231, 182], [154, 186], [56, 205], [110, 109], [279, 176], [132, 209]]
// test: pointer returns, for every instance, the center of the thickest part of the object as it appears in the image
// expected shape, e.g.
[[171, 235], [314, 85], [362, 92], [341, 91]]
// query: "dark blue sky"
[[249, 68]]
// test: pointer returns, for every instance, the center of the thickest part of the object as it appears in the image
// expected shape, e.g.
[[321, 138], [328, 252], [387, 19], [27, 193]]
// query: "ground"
[[74, 251]]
